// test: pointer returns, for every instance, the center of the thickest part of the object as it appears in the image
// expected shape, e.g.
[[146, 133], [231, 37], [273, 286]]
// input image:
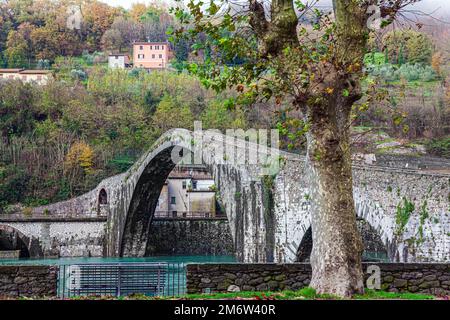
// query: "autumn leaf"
[[329, 90]]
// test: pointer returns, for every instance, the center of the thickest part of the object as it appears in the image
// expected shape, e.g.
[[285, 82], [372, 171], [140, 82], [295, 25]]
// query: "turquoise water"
[[82, 260]]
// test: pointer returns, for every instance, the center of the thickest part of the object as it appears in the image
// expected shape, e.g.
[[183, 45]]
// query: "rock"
[[233, 288], [262, 287], [429, 278], [388, 279], [413, 289], [400, 283], [429, 284], [248, 288], [280, 277], [239, 281], [205, 280], [230, 276], [256, 281], [273, 285]]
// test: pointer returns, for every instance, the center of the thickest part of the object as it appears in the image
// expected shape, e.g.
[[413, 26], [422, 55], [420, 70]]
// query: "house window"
[[184, 184], [117, 57], [194, 185], [156, 47], [174, 214], [153, 56], [151, 47], [160, 56], [141, 47], [140, 56], [173, 200], [162, 47]]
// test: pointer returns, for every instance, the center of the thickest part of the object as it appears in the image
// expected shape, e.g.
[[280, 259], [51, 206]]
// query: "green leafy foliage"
[[409, 72], [404, 210], [439, 147], [13, 184], [408, 45], [116, 113]]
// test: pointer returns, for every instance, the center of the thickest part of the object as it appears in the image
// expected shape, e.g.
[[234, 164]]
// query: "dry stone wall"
[[31, 281], [431, 278]]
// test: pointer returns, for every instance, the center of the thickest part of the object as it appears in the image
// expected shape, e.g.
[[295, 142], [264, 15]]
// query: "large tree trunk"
[[337, 244], [337, 247]]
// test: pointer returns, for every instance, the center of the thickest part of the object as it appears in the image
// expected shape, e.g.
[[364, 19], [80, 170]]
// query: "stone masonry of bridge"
[[268, 214], [56, 236]]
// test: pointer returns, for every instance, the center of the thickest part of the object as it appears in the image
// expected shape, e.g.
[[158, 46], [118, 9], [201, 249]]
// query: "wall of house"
[[151, 59], [38, 78], [41, 79], [176, 190], [163, 202], [116, 63], [202, 201]]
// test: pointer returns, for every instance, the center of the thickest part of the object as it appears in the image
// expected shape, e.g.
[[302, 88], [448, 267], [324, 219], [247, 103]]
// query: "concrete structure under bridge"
[[268, 214]]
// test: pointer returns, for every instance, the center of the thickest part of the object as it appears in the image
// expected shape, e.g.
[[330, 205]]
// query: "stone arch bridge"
[[267, 203]]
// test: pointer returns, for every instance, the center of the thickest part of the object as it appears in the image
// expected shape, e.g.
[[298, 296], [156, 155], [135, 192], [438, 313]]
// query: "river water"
[[83, 260]]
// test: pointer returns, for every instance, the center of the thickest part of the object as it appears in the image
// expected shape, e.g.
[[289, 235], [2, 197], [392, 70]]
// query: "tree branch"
[[278, 33]]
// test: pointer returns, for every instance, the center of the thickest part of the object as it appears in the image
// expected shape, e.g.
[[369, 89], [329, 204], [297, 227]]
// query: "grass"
[[306, 293], [373, 294]]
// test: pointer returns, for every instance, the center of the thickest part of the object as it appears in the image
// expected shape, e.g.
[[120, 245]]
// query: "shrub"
[[409, 72], [439, 147], [13, 184], [78, 74]]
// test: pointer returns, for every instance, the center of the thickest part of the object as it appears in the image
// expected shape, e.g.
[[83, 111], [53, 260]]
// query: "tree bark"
[[337, 244]]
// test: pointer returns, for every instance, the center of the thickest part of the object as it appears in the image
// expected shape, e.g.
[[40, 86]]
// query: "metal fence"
[[187, 214], [122, 279]]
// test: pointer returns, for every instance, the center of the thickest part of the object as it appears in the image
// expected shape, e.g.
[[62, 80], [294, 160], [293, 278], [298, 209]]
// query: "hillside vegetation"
[[60, 139]]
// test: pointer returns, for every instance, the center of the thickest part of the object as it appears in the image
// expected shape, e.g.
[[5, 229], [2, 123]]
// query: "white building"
[[40, 77], [188, 192], [118, 61]]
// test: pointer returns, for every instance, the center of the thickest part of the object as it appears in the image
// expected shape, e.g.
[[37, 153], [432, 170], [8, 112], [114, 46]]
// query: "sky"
[[425, 5]]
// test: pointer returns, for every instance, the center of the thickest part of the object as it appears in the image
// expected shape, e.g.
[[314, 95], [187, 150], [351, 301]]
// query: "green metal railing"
[[122, 279]]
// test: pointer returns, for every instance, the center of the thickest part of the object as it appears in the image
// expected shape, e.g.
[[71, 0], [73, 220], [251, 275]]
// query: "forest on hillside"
[[60, 139]]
